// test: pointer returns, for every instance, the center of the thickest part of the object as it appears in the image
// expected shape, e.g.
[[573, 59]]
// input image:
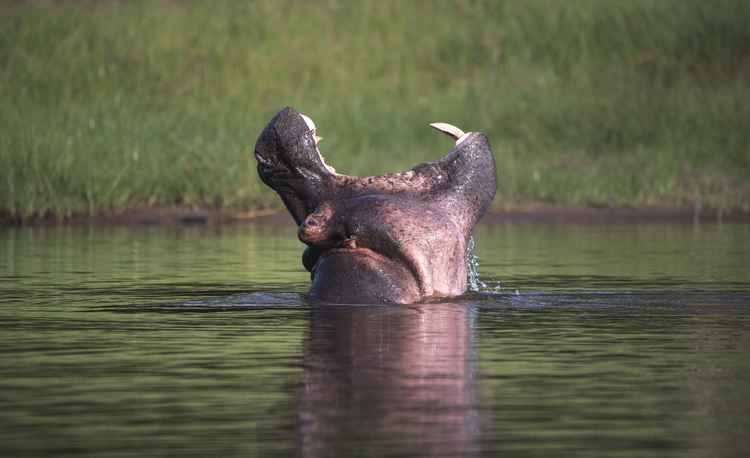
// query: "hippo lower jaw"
[[360, 275], [390, 248], [398, 237], [352, 273]]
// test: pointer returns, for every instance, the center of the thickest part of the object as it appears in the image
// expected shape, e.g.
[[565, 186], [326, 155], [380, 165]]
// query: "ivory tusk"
[[309, 122], [448, 129]]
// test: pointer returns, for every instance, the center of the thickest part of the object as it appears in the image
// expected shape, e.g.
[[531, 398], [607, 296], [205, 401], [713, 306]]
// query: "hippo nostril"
[[348, 243]]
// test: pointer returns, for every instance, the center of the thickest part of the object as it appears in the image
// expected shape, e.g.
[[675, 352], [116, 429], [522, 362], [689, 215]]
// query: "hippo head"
[[400, 237]]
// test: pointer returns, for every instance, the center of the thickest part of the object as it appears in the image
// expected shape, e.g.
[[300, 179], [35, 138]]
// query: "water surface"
[[587, 340]]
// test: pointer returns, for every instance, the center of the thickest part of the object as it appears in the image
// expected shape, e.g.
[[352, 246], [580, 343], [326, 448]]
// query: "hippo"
[[396, 238]]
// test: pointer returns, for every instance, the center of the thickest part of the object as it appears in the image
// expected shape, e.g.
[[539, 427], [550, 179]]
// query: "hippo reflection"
[[389, 381], [400, 237]]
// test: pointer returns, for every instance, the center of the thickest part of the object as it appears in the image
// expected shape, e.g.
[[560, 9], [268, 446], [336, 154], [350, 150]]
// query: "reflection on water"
[[586, 341], [389, 378]]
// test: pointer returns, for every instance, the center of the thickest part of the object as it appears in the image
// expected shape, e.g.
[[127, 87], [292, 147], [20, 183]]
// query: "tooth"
[[309, 122], [450, 130], [313, 129]]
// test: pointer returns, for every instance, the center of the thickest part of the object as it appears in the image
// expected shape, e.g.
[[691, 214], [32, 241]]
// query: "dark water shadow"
[[241, 301], [674, 296]]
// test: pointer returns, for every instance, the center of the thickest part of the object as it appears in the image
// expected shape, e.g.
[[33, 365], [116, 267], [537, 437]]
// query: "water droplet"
[[472, 261]]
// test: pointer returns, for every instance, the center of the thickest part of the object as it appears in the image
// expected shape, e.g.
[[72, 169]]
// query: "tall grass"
[[585, 101]]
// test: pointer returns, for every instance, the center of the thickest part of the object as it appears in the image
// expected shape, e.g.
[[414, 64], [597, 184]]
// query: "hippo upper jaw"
[[290, 163]]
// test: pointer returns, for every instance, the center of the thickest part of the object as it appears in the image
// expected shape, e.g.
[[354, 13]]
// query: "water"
[[593, 341]]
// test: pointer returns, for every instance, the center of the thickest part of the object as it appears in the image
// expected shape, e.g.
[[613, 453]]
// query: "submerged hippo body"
[[399, 237]]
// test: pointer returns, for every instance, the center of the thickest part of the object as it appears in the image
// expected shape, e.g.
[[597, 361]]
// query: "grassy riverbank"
[[108, 105]]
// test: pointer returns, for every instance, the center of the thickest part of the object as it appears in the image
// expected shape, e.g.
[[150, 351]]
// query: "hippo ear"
[[288, 162]]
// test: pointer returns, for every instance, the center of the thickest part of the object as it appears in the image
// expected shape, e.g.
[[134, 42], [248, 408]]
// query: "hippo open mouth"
[[398, 237]]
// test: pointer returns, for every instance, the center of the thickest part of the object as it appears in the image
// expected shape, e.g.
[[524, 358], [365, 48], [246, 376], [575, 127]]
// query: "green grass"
[[637, 102]]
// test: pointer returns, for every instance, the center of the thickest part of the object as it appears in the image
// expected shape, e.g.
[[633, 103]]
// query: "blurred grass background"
[[106, 105]]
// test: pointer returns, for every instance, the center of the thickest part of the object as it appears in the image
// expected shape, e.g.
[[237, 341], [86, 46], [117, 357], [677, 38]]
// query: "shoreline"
[[530, 212]]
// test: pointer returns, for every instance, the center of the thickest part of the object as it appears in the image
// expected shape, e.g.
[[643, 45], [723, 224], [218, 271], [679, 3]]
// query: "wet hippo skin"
[[399, 237]]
